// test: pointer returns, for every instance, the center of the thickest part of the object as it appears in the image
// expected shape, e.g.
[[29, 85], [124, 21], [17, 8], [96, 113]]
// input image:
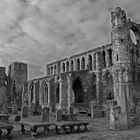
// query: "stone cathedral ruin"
[[92, 81]]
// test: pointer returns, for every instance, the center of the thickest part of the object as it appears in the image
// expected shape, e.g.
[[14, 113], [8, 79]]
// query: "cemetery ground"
[[98, 130]]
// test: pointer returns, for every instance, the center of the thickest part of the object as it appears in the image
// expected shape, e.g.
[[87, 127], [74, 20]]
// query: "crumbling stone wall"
[[104, 73]]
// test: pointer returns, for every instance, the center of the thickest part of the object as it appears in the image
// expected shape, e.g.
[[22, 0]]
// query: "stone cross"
[[45, 114], [59, 115]]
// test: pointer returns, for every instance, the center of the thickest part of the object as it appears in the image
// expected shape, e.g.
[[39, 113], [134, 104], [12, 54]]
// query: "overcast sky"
[[40, 31]]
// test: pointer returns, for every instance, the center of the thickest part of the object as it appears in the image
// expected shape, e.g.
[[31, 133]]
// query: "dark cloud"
[[40, 31]]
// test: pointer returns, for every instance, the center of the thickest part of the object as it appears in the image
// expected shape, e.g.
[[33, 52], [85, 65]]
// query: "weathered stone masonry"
[[108, 72]]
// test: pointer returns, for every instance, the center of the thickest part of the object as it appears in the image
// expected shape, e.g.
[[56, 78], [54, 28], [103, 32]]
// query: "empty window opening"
[[78, 64], [67, 66], [83, 63], [94, 62], [32, 93], [63, 67], [110, 57], [117, 57], [90, 62], [104, 63], [51, 70], [57, 94], [72, 68]]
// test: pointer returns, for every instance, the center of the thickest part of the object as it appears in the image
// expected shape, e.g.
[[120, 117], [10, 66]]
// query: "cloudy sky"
[[39, 31]]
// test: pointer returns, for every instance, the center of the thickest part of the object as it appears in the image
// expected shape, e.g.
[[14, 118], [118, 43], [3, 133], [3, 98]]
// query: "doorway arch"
[[78, 91]]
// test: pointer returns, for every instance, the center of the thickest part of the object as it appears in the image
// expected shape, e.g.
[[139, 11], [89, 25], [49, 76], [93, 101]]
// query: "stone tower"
[[3, 91], [17, 75], [122, 68]]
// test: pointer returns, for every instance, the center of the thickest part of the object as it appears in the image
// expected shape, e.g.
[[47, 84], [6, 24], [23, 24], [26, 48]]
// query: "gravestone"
[[45, 114], [95, 109], [59, 115], [71, 110], [14, 107], [24, 112], [76, 110], [114, 120], [39, 109]]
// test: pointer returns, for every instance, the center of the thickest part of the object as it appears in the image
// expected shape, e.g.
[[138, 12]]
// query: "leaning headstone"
[[59, 115], [45, 114], [24, 112], [14, 107]]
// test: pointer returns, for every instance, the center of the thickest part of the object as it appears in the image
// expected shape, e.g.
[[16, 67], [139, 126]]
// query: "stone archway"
[[78, 91]]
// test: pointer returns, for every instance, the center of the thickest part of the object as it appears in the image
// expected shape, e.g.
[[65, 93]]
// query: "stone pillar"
[[93, 63], [34, 97], [60, 92], [63, 96], [49, 87], [98, 61], [70, 65], [74, 64], [98, 77], [81, 63], [69, 80], [61, 68]]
